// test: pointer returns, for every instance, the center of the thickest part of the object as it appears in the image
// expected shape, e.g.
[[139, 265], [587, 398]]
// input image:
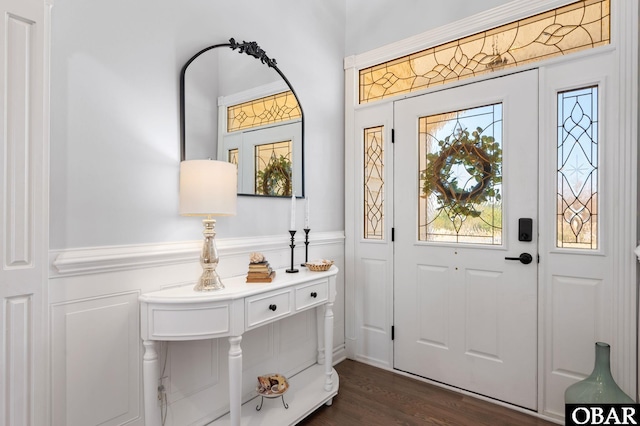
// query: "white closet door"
[[23, 211]]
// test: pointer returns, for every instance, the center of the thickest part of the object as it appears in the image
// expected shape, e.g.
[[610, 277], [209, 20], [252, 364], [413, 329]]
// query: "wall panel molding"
[[17, 193], [17, 371], [95, 360]]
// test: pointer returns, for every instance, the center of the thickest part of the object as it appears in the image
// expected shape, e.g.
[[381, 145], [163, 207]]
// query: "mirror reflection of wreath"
[[481, 158], [275, 179]]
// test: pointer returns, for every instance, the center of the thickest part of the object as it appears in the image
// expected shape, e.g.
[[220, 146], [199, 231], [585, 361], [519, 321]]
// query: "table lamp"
[[208, 188]]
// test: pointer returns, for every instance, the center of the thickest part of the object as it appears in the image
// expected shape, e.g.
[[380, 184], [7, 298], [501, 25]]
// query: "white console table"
[[180, 313]]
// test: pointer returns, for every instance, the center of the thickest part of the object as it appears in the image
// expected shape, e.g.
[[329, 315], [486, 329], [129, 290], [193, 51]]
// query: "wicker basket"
[[319, 265]]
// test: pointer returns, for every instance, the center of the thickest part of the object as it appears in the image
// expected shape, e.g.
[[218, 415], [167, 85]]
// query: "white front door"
[[466, 173]]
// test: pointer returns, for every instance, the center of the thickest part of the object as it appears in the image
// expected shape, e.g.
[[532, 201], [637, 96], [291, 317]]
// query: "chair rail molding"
[[94, 260]]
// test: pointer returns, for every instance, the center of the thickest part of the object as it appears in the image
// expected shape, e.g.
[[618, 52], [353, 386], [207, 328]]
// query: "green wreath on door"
[[275, 179], [480, 155]]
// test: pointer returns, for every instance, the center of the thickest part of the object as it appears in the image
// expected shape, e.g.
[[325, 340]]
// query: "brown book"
[[266, 279], [258, 276], [266, 272], [260, 269]]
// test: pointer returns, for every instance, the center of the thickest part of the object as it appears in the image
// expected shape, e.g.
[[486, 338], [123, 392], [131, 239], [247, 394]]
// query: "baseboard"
[[339, 354]]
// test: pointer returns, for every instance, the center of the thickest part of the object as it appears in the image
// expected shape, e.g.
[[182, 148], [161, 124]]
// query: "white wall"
[[114, 92], [114, 224], [115, 124]]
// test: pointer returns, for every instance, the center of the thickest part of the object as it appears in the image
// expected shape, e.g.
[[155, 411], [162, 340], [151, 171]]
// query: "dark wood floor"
[[372, 396]]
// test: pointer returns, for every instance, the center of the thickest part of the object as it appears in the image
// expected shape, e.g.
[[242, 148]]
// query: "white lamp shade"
[[208, 188]]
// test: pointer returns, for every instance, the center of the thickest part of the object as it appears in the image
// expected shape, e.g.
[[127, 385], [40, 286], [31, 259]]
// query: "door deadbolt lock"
[[525, 229], [525, 258]]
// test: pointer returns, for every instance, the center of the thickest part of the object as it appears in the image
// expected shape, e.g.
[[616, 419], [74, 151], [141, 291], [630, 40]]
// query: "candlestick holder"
[[306, 246], [292, 245]]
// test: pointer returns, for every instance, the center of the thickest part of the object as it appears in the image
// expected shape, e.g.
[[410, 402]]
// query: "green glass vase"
[[599, 387]]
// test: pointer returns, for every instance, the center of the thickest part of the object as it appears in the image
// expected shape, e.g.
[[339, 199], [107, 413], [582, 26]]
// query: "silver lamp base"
[[209, 280]]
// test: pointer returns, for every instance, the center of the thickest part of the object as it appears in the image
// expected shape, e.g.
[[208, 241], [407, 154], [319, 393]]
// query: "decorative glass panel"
[[460, 181], [373, 183], [577, 204], [577, 26], [233, 156], [258, 112], [273, 169]]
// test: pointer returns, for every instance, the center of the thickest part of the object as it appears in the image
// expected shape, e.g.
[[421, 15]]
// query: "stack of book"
[[260, 272]]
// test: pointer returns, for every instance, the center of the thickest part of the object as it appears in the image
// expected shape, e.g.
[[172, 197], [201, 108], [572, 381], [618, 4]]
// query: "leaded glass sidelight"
[[233, 156], [259, 112], [273, 169], [373, 183], [577, 26], [577, 177], [460, 179]]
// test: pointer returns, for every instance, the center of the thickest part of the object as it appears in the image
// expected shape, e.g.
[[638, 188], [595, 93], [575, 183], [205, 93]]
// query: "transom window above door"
[[266, 110], [561, 31]]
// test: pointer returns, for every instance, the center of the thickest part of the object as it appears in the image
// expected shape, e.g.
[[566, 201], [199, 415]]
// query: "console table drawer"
[[178, 322], [312, 294], [267, 307]]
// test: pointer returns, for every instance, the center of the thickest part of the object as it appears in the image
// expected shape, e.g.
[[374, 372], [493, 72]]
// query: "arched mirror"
[[237, 106]]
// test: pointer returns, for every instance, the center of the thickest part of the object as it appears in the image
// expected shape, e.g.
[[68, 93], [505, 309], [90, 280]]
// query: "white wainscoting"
[[96, 351]]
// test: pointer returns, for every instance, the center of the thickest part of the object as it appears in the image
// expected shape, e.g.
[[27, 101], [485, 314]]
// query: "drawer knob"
[[273, 307], [314, 294]]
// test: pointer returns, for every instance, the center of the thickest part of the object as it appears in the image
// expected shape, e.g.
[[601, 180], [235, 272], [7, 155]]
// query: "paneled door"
[[24, 195], [465, 219]]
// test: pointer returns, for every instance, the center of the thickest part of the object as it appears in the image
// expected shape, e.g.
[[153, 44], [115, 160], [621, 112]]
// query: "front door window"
[[460, 197]]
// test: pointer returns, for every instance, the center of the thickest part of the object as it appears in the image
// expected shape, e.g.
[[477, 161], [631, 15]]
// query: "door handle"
[[525, 258]]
